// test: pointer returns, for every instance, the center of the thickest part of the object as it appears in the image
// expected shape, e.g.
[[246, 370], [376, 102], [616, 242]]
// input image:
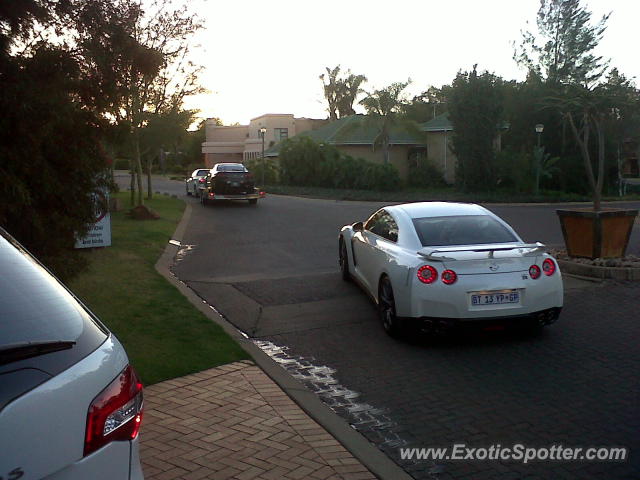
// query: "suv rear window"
[[33, 306], [461, 230]]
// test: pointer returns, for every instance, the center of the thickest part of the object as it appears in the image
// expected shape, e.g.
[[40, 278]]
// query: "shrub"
[[306, 163], [514, 171], [255, 166], [425, 174]]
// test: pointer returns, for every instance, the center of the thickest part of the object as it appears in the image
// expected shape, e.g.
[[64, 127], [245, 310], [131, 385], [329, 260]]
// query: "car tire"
[[253, 201], [204, 200], [387, 308], [188, 191], [343, 260]]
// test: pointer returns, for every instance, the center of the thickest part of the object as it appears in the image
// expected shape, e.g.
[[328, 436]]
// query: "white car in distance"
[[434, 265], [197, 178]]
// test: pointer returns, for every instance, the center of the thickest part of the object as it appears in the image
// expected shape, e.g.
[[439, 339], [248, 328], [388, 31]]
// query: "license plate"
[[494, 298], [235, 184]]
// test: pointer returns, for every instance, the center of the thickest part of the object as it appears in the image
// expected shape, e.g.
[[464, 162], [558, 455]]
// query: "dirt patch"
[[142, 212]]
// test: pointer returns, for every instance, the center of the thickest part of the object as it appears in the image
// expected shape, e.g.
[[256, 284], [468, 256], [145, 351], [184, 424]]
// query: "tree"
[[609, 106], [341, 93], [383, 108], [428, 104], [140, 61], [50, 139], [349, 89], [475, 109], [563, 50], [164, 131]]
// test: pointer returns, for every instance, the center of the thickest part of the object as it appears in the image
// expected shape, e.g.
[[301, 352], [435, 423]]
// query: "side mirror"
[[357, 227]]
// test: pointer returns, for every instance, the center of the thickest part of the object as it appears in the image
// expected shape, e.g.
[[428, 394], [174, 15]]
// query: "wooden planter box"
[[591, 234]]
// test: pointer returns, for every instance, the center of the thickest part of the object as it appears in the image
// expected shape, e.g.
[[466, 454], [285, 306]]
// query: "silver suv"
[[70, 403]]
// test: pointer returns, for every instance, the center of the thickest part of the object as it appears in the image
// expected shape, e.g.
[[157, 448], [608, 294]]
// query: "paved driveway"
[[271, 270]]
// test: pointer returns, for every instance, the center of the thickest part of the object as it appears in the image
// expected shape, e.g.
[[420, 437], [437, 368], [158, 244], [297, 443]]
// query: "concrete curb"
[[372, 458], [604, 273]]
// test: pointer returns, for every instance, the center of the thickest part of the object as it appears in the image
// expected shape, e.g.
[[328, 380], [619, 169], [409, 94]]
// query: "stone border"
[[603, 273], [368, 454]]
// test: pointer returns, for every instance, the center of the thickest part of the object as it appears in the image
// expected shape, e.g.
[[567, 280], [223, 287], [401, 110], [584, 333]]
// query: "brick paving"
[[576, 384], [234, 422]]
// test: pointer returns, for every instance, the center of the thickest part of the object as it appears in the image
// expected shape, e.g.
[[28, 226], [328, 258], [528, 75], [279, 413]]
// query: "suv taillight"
[[116, 413]]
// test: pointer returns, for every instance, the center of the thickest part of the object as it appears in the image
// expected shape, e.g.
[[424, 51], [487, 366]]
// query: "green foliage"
[[514, 171], [52, 160], [429, 104], [307, 163], [476, 111], [341, 93], [562, 51], [384, 112], [255, 166], [424, 174]]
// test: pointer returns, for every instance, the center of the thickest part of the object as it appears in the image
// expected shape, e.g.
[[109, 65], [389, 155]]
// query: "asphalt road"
[[271, 270]]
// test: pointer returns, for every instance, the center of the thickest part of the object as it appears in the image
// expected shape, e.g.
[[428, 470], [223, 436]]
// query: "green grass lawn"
[[165, 336]]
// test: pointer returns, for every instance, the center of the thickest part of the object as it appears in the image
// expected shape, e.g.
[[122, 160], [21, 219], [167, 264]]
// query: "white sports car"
[[433, 265]]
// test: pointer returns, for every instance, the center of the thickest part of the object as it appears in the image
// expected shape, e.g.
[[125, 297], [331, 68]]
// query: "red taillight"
[[449, 277], [116, 413], [534, 271], [202, 180], [427, 274], [548, 267]]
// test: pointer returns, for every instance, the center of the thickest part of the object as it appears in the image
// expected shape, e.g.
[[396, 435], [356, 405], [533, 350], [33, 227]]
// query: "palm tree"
[[383, 111]]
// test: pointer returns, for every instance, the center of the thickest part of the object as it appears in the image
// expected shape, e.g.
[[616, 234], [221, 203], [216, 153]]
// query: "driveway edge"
[[372, 458]]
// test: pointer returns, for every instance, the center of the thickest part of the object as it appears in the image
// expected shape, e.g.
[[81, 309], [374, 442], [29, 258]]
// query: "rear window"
[[461, 230], [33, 306], [231, 168], [202, 173]]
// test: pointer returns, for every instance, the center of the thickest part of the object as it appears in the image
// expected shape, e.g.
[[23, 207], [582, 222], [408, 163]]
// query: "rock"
[[142, 212]]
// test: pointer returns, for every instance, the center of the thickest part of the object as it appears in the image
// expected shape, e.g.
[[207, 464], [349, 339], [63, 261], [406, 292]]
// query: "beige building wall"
[[439, 152], [244, 142]]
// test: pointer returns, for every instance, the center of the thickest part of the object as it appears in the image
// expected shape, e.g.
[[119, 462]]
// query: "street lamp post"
[[262, 132], [539, 130], [538, 157]]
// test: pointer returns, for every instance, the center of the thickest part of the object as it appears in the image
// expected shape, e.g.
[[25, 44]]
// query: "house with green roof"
[[355, 136], [432, 140]]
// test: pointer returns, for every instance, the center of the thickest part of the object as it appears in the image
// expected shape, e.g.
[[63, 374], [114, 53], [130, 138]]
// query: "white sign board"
[[99, 234]]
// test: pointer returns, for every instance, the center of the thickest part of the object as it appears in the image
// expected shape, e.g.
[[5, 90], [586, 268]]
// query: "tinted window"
[[33, 306], [201, 173], [461, 230], [231, 168], [383, 224]]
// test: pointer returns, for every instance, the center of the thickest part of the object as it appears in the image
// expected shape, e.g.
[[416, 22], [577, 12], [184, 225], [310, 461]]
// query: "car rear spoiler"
[[438, 254]]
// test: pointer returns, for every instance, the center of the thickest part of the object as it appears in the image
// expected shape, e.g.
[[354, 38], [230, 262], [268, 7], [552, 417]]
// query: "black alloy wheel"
[[387, 308], [343, 261]]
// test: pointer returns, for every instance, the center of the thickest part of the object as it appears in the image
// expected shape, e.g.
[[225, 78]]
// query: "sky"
[[266, 57]]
